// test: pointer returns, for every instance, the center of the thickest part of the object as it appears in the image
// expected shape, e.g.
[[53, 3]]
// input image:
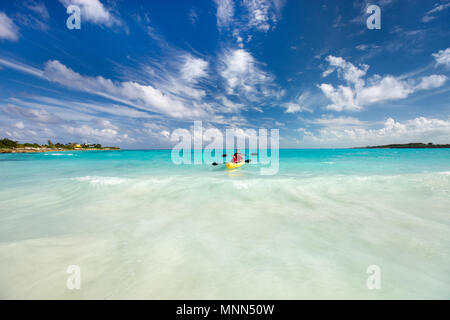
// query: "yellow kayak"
[[232, 165]]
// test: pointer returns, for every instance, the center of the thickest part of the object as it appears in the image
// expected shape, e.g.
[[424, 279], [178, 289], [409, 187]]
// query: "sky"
[[138, 70]]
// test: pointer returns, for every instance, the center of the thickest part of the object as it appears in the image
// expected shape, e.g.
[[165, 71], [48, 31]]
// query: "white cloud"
[[443, 57], [258, 12], [165, 134], [156, 131], [225, 12], [8, 30], [420, 129], [347, 70], [242, 76], [292, 107], [383, 89], [431, 82], [23, 135], [194, 68], [93, 11], [362, 47], [327, 72], [300, 104], [154, 126], [343, 98], [259, 15], [358, 93], [238, 66], [183, 76], [430, 15], [263, 13], [105, 124], [19, 125], [229, 106]]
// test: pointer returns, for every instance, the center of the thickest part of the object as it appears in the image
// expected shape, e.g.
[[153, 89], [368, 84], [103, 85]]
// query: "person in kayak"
[[237, 157]]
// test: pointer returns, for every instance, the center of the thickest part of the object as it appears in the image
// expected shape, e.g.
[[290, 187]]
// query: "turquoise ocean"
[[141, 227]]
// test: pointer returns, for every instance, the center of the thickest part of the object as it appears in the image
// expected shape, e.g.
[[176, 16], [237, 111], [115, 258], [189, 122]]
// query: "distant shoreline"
[[407, 146], [37, 150], [10, 146]]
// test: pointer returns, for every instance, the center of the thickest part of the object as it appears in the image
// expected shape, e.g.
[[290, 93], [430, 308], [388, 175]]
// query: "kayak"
[[232, 165]]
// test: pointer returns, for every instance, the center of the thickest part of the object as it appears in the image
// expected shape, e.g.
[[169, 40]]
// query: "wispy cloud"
[[94, 11], [303, 103], [243, 76], [431, 15], [194, 68], [8, 29], [75, 109], [38, 8], [442, 57], [262, 14], [22, 67], [143, 96], [34, 16], [180, 88], [225, 12], [259, 15]]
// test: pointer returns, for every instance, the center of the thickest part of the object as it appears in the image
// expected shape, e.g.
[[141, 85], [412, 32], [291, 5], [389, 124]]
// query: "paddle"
[[252, 154], [216, 164]]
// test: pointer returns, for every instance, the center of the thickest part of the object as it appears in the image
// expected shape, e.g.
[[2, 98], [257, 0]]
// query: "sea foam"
[[102, 181]]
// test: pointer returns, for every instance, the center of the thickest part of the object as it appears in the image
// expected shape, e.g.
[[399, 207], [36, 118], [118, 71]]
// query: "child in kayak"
[[237, 157]]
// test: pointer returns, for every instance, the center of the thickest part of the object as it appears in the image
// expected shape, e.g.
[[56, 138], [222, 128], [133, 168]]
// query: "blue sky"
[[137, 70]]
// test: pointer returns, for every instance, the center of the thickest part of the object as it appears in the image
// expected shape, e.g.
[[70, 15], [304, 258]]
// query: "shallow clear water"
[[141, 227]]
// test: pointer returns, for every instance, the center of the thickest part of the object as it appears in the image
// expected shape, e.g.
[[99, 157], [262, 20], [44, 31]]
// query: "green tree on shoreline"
[[8, 144]]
